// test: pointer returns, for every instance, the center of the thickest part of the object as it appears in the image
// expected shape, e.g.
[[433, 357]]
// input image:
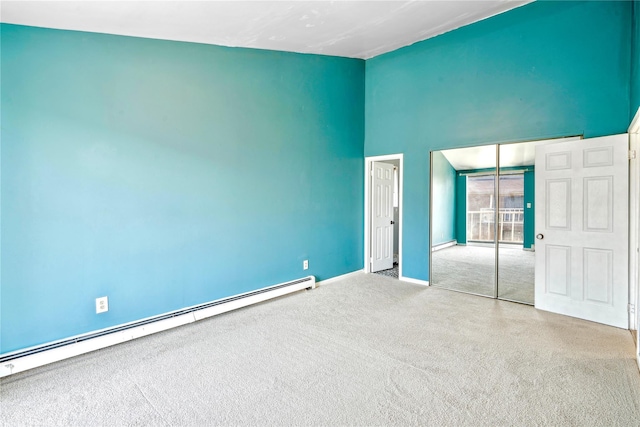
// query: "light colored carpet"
[[366, 350], [472, 269]]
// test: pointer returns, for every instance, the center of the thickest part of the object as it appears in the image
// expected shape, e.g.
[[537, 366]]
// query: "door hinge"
[[632, 154], [631, 308]]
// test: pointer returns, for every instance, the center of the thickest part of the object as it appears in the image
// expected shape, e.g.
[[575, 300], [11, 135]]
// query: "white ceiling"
[[355, 29], [511, 155]]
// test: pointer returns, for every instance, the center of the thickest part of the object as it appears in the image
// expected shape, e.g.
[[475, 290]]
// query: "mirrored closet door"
[[516, 259], [482, 220], [463, 232]]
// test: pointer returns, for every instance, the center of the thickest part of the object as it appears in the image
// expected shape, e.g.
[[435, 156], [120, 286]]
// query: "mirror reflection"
[[480, 243], [463, 220], [516, 259]]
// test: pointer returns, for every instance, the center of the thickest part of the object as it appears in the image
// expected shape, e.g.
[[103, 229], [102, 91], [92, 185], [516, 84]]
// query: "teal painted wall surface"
[[635, 61], [166, 174], [444, 200], [529, 225], [546, 69], [461, 209]]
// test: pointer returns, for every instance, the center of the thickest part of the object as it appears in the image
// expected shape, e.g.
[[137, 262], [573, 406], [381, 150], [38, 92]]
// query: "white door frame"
[[383, 215], [634, 229], [368, 163]]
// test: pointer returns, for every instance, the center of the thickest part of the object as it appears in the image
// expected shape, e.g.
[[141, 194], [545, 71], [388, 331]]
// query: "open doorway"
[[383, 215]]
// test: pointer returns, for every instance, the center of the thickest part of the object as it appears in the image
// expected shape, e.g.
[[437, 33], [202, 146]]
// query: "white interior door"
[[582, 229], [382, 217]]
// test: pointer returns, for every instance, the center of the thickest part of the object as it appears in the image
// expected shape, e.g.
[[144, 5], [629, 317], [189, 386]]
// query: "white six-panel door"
[[382, 217], [582, 229]]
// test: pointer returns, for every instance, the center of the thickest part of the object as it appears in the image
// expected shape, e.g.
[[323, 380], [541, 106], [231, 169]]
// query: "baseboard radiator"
[[444, 245], [22, 360]]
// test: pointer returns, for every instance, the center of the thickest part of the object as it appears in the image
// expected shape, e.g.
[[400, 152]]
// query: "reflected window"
[[481, 204]]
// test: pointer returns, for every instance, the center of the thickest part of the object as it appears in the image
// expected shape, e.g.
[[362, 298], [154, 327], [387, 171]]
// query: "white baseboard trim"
[[416, 281], [444, 245], [90, 343], [338, 278], [31, 361]]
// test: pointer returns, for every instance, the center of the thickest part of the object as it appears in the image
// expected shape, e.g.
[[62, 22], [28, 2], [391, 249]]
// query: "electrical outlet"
[[102, 305], [305, 264]]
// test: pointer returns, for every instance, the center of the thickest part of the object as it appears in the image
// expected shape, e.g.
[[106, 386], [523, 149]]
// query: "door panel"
[[558, 161], [382, 217], [558, 204], [582, 220], [558, 267], [598, 275], [598, 196]]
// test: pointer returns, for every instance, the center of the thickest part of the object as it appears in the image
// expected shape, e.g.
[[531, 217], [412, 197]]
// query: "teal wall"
[[167, 174], [635, 61], [543, 70], [529, 226], [444, 200], [461, 209]]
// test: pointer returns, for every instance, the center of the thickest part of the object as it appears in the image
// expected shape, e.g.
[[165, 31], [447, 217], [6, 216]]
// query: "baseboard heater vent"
[[22, 360], [444, 245]]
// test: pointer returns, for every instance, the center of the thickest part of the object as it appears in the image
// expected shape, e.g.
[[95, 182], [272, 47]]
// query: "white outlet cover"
[[102, 305], [305, 264]]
